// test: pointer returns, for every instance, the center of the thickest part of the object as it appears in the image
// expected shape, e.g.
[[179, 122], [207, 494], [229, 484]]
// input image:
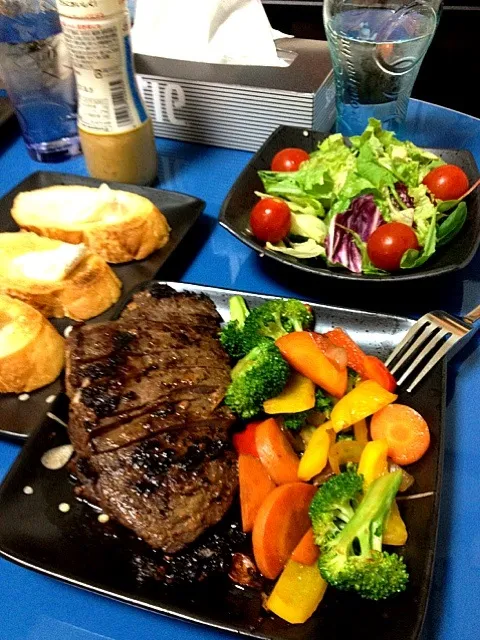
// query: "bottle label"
[[109, 101], [85, 9]]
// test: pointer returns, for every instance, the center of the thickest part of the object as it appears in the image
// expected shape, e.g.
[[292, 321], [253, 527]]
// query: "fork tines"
[[424, 346]]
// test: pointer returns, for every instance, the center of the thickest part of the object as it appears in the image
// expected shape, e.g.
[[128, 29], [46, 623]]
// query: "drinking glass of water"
[[39, 79], [377, 47]]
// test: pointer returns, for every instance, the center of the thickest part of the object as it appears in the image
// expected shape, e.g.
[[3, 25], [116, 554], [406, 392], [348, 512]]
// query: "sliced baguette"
[[32, 352], [56, 278], [118, 225]]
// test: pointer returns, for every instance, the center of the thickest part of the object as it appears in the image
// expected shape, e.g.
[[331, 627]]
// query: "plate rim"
[[326, 272], [425, 589]]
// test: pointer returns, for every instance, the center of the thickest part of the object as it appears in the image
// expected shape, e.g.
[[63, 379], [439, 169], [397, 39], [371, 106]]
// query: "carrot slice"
[[355, 356], [302, 353], [255, 485], [281, 523], [306, 551], [276, 453], [374, 369], [405, 431]]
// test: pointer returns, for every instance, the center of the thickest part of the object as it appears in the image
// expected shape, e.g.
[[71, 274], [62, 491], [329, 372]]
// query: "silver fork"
[[427, 342]]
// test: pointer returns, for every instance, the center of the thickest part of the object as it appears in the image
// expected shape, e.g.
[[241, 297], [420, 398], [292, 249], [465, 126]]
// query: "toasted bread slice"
[[118, 225], [32, 352], [57, 278]]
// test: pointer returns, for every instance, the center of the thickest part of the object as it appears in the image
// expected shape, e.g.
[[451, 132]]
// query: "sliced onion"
[[407, 478]]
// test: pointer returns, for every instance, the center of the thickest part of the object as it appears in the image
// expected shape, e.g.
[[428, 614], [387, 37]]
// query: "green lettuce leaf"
[[302, 250], [449, 228], [308, 226], [425, 211], [415, 258]]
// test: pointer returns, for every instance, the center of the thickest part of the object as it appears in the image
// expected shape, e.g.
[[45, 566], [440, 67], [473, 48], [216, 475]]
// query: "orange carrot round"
[[281, 523], [405, 431], [255, 485], [306, 551], [276, 453]]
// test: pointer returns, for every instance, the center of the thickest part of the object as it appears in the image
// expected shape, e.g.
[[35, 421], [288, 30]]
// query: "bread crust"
[[90, 289], [39, 357], [130, 237]]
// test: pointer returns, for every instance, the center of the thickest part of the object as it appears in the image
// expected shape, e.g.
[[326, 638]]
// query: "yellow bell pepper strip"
[[297, 593], [361, 402], [303, 354], [360, 432], [395, 531], [315, 457], [342, 452], [373, 462], [372, 465], [298, 395]]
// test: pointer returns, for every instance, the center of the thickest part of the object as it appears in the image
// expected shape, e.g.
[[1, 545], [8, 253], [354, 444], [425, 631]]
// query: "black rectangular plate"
[[20, 418], [74, 546], [236, 208]]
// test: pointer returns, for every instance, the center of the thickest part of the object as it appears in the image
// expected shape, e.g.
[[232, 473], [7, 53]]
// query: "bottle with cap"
[[115, 131]]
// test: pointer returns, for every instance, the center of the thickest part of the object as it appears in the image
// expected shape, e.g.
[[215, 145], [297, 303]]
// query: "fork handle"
[[473, 315]]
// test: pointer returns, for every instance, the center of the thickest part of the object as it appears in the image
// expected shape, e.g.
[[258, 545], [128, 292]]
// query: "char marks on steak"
[[145, 416]]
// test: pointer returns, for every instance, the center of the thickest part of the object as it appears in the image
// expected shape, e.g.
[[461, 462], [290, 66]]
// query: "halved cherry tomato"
[[374, 369], [388, 243], [289, 159], [447, 182], [244, 441], [270, 220]]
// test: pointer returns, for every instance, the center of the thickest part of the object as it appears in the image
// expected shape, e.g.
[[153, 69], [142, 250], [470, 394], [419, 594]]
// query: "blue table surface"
[[35, 607]]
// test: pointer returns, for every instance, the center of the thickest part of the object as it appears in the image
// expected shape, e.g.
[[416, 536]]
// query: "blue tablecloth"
[[35, 607]]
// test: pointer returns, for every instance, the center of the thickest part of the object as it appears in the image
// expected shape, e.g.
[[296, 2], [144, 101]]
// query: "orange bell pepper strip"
[[342, 452], [315, 457], [255, 485], [297, 395], [298, 592], [301, 351], [395, 532], [244, 441], [276, 453], [361, 402]]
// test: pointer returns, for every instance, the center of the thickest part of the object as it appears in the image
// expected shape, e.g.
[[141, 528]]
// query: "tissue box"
[[239, 106]]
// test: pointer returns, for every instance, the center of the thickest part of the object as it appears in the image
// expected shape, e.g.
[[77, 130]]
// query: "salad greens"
[[343, 192]]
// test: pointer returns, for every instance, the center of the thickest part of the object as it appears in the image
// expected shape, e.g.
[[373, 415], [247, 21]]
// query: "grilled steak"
[[145, 416]]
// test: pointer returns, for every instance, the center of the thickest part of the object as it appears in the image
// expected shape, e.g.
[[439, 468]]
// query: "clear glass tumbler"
[[377, 47], [39, 79]]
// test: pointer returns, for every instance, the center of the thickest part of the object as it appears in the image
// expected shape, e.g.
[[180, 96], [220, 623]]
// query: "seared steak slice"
[[145, 416], [169, 488]]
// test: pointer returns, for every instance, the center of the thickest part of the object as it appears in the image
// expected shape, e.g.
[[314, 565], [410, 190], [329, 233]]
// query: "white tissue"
[[221, 31]]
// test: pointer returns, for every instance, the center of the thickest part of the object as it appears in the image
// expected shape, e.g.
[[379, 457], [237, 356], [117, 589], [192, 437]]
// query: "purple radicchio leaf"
[[405, 197], [363, 217]]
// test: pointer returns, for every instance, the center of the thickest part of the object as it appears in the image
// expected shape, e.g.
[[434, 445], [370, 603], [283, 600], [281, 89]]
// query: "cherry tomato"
[[289, 159], [270, 220], [447, 182], [388, 243]]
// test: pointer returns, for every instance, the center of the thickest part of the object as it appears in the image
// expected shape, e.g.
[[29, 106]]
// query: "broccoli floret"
[[334, 505], [274, 319], [260, 375], [295, 421], [323, 403], [231, 335], [352, 558]]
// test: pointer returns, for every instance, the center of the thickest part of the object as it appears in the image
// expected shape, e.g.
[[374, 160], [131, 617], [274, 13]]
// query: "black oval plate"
[[75, 548], [19, 418], [241, 198]]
